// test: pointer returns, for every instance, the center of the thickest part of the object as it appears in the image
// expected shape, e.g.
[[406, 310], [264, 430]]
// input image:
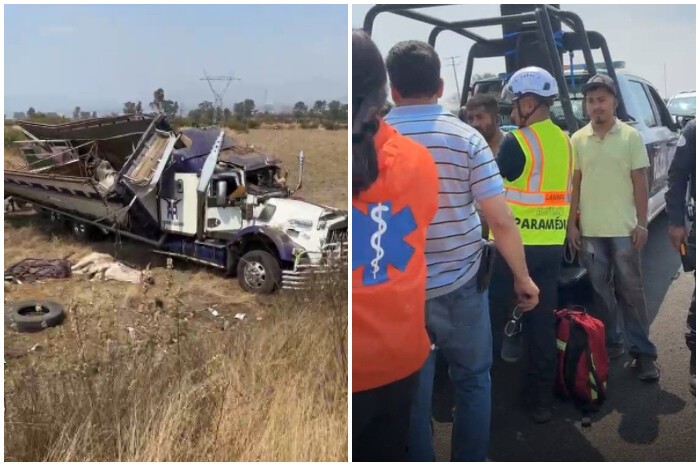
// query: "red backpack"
[[582, 360]]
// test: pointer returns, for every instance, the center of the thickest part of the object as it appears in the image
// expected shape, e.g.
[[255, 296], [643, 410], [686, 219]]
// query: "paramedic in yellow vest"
[[536, 162]]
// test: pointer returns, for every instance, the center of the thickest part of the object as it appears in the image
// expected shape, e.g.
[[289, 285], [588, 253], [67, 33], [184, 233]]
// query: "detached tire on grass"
[[34, 315], [259, 272]]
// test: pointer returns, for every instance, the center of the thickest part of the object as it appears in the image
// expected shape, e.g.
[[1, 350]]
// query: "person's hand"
[[527, 293], [639, 237], [573, 234], [678, 235]]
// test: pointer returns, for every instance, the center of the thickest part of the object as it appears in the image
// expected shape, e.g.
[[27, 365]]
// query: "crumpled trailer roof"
[[116, 136]]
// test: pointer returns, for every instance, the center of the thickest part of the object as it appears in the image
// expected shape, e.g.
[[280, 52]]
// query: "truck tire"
[[55, 218], [82, 231], [25, 318], [259, 272]]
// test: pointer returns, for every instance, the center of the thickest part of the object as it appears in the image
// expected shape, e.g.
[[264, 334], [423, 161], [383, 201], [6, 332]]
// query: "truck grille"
[[332, 266]]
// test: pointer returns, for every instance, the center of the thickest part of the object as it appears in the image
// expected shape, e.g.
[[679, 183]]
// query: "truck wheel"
[[82, 231], [55, 218], [34, 315], [259, 272]]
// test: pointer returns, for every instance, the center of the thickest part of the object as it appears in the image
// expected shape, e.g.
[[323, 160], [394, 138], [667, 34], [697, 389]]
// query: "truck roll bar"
[[579, 39]]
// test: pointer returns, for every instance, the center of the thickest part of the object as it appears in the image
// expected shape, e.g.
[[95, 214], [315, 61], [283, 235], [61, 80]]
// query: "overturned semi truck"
[[192, 194]]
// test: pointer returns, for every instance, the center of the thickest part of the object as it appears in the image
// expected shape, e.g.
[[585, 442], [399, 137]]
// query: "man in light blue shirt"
[[457, 317]]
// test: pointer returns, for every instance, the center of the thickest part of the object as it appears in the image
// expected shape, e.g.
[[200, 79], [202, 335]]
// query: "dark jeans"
[[380, 418], [615, 270], [690, 322], [690, 335], [539, 332]]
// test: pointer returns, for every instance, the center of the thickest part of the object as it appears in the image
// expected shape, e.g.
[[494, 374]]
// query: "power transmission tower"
[[267, 106], [454, 69], [218, 95]]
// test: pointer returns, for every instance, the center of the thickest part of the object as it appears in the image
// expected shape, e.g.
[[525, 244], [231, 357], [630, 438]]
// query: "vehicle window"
[[492, 88], [661, 110], [642, 100], [577, 106], [682, 106]]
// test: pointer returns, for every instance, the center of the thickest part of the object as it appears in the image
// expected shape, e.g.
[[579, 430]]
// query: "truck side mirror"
[[221, 199]]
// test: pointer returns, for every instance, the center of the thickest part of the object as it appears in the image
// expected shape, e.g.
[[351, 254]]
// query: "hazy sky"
[[644, 36], [57, 57]]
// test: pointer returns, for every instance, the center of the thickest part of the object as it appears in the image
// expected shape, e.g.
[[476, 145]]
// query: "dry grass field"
[[152, 374], [325, 159]]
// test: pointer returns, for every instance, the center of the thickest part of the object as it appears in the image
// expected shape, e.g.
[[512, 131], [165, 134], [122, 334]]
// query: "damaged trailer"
[[193, 194]]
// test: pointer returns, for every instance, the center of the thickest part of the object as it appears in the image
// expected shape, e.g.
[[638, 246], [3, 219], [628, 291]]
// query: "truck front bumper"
[[306, 274]]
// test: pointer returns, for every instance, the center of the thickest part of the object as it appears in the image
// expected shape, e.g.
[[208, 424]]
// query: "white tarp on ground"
[[100, 266]]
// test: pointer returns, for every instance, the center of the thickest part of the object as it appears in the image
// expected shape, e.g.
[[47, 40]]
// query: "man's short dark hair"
[[414, 69], [488, 102]]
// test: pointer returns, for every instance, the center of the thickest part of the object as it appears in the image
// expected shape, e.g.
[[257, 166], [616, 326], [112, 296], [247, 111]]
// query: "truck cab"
[[231, 208]]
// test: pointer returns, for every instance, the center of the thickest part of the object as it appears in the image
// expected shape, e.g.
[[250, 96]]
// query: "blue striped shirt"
[[467, 173]]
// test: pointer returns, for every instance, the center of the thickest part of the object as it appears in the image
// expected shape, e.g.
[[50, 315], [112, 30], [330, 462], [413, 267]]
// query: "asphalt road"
[[639, 421]]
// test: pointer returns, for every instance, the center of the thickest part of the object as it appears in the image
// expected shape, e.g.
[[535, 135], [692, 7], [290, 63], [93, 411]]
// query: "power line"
[[454, 69], [218, 95]]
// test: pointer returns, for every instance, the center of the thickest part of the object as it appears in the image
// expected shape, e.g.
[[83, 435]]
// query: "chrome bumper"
[[304, 275]]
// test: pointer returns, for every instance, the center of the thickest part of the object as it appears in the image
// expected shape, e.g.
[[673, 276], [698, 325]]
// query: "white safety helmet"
[[530, 80]]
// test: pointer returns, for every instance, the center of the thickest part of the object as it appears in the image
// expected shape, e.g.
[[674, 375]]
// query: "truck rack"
[[541, 18]]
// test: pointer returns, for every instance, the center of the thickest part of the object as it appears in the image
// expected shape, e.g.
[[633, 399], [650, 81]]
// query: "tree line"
[[242, 115], [245, 114]]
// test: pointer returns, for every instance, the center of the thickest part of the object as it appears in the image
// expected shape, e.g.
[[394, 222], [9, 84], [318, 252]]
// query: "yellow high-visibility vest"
[[540, 198]]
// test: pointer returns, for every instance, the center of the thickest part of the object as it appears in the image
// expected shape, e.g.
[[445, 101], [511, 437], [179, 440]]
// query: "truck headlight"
[[301, 224]]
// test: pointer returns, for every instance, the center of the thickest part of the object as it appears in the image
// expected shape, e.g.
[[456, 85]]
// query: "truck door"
[[659, 137], [224, 205], [669, 130], [178, 204]]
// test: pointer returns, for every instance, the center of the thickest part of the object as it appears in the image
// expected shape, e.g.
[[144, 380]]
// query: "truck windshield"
[[493, 87], [682, 106]]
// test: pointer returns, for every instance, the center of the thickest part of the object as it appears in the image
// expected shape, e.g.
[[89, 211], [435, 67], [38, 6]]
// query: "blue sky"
[[644, 36], [99, 56]]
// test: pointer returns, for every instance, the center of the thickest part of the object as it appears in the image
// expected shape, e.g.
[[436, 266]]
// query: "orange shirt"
[[390, 223]]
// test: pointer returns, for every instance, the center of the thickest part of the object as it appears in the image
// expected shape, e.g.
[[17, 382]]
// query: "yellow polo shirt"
[[607, 197]]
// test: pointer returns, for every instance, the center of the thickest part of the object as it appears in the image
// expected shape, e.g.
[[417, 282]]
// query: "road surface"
[[639, 421]]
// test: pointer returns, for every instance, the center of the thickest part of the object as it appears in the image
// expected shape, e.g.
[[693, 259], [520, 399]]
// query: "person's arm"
[[510, 158], [572, 231], [640, 189], [510, 245], [641, 204], [682, 167], [487, 187]]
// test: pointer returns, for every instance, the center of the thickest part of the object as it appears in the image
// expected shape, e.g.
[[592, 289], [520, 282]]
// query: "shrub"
[[331, 125], [237, 125], [11, 136], [309, 124]]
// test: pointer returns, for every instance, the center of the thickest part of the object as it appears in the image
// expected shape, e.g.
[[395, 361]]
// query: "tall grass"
[[270, 390]]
